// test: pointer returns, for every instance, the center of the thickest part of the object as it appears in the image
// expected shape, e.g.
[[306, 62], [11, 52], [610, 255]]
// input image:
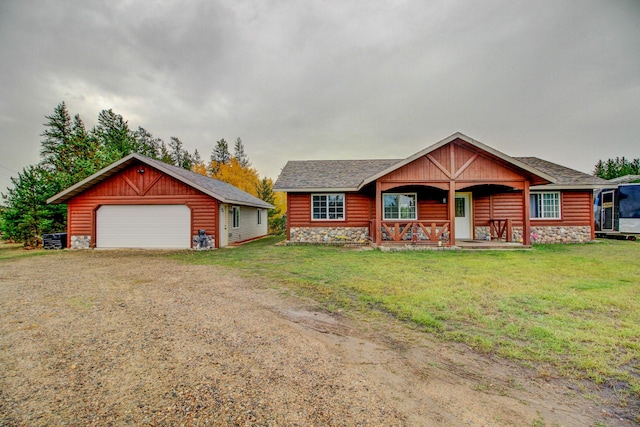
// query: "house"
[[456, 189], [140, 202]]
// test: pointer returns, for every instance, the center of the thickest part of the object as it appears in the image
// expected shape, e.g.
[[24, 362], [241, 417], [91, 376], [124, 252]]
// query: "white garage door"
[[143, 226]]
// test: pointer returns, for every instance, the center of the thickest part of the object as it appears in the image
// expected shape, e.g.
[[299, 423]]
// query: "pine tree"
[[198, 164], [57, 139], [238, 150], [219, 156], [113, 135], [164, 154], [179, 156], [615, 168], [27, 216], [144, 143]]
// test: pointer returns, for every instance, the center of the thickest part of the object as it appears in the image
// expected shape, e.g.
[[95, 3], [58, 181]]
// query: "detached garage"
[[139, 202]]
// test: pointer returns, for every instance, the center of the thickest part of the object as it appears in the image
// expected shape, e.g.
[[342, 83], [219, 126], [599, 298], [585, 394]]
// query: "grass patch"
[[17, 250], [573, 307]]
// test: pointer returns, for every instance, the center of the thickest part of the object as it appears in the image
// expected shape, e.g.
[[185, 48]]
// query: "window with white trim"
[[327, 207], [235, 216], [259, 216], [544, 205], [399, 206]]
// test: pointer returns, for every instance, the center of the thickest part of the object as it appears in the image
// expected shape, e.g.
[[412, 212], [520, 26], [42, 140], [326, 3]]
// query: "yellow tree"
[[232, 172]]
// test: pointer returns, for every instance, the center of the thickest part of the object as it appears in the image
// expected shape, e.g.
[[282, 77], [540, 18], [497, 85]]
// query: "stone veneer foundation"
[[330, 235], [545, 234], [80, 242], [208, 242]]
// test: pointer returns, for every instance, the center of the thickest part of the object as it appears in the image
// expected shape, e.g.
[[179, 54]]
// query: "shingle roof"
[[625, 179], [347, 175], [564, 176], [222, 191], [329, 174]]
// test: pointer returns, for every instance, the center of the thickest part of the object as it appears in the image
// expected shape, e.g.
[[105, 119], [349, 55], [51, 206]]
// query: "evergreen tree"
[[165, 156], [219, 156], [27, 216], [238, 150], [113, 135], [144, 143], [56, 143], [198, 164], [276, 221], [179, 156], [615, 168]]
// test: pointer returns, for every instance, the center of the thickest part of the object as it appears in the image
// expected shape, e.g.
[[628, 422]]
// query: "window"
[[460, 207], [259, 216], [235, 215], [327, 206], [399, 206], [545, 205]]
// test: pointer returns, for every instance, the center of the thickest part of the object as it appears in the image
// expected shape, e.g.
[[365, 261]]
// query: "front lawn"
[[574, 309]]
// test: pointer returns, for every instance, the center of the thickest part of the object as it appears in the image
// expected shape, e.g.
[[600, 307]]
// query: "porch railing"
[[414, 232], [501, 229]]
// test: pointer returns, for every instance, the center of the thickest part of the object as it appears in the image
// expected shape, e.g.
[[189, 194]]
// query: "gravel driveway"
[[131, 338]]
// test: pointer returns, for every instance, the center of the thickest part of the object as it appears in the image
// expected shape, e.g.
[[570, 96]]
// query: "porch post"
[[452, 212], [526, 224], [378, 219]]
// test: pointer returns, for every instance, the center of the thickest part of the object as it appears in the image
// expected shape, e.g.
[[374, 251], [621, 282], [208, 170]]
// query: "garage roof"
[[222, 191]]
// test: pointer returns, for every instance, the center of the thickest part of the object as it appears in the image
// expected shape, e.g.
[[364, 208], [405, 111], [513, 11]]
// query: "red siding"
[[432, 210], [575, 210], [358, 211], [149, 188]]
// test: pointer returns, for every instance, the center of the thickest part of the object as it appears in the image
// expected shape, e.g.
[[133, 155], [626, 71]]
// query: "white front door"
[[463, 216], [223, 226]]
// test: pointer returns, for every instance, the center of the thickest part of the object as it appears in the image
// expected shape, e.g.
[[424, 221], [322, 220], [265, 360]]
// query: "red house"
[[139, 202], [457, 189]]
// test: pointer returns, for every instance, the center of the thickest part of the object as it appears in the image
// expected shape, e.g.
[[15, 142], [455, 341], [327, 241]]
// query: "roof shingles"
[[341, 175]]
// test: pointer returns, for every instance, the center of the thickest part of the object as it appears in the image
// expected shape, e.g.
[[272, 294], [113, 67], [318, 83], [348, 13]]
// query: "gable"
[[168, 180], [455, 161], [139, 179]]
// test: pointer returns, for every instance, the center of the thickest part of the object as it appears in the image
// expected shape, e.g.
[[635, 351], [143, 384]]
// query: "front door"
[[463, 216], [224, 226]]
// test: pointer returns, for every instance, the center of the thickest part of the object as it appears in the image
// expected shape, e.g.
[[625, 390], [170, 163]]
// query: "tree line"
[[615, 168], [70, 153]]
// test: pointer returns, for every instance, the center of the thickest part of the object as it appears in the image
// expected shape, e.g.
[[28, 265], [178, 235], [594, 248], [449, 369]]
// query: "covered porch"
[[479, 215]]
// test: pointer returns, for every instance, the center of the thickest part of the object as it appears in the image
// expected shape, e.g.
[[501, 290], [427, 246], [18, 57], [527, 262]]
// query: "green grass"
[[17, 250], [572, 308]]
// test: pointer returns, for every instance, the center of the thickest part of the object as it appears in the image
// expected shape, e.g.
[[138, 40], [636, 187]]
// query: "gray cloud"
[[353, 79]]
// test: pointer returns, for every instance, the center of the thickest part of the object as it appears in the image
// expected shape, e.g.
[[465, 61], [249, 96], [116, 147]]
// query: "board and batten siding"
[[149, 188], [249, 227]]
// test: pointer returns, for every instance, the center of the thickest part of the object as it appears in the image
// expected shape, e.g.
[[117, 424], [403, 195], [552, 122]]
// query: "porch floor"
[[489, 244], [461, 244]]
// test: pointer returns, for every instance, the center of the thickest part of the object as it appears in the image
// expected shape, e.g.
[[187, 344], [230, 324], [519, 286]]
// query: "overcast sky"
[[557, 79]]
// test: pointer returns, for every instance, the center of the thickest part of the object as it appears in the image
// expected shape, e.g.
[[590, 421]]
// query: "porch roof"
[[352, 175]]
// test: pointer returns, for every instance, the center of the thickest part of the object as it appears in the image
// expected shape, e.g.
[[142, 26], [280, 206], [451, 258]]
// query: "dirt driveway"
[[130, 338]]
